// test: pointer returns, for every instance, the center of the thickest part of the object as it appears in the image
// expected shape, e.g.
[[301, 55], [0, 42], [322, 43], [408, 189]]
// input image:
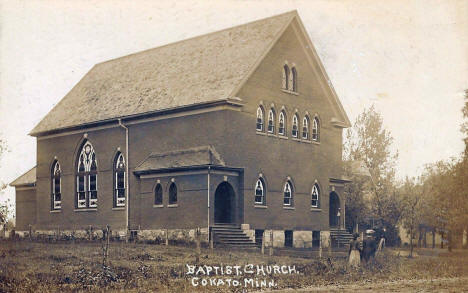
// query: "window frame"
[[88, 175], [315, 129], [271, 121], [171, 196], [263, 189], [155, 202], [260, 120], [293, 85], [290, 197], [282, 130], [286, 76], [316, 188], [56, 174], [305, 126], [295, 126], [118, 169]]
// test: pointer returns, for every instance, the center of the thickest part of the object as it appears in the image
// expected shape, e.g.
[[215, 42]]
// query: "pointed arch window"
[[260, 115], [305, 128], [288, 194], [293, 83], [282, 123], [172, 194], [86, 178], [260, 192], [119, 177], [158, 195], [316, 129], [56, 186], [271, 121], [315, 196], [286, 77], [295, 125]]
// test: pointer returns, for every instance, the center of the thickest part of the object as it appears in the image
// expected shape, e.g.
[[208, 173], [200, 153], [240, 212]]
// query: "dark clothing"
[[369, 247]]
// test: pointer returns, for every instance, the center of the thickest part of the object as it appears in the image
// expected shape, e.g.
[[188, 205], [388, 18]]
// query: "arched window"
[[271, 121], [260, 192], [295, 125], [293, 83], [315, 196], [285, 77], [56, 186], [316, 129], [288, 194], [86, 177], [158, 195], [172, 194], [119, 176], [282, 123], [260, 116], [305, 128]]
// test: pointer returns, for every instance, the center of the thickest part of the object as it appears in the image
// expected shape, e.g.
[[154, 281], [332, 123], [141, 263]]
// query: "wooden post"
[[211, 240], [263, 242], [167, 237], [320, 248], [329, 246], [271, 243], [197, 240], [30, 232]]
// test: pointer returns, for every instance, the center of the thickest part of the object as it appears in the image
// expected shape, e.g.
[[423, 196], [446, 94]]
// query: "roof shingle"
[[197, 70], [28, 178]]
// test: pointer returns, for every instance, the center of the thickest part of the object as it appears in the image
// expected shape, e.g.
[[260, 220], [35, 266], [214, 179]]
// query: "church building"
[[236, 132]]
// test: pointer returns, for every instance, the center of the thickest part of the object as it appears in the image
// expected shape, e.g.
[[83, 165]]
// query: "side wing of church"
[[237, 132]]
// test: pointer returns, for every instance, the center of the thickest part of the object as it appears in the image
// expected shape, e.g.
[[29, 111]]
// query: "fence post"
[[197, 240], [271, 243], [329, 246], [263, 242], [167, 237], [30, 232], [320, 247]]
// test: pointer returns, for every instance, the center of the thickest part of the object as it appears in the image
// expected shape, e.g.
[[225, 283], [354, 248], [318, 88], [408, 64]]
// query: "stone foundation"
[[302, 239], [325, 239]]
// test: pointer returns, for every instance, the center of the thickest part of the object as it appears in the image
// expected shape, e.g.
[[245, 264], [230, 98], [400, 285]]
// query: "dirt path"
[[435, 285]]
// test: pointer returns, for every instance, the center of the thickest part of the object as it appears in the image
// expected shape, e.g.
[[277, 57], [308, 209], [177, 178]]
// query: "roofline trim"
[[188, 168], [135, 117]]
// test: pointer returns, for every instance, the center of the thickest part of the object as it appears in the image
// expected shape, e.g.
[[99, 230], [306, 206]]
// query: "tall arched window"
[[86, 177], [295, 125], [285, 77], [316, 129], [288, 194], [271, 121], [305, 128], [260, 192], [282, 123], [158, 195], [293, 83], [260, 116], [172, 194], [315, 196], [56, 186], [119, 177]]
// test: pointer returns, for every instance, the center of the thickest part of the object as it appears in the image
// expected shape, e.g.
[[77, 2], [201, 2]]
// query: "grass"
[[68, 267]]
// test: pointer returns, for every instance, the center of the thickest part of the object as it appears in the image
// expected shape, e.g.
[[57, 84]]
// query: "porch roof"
[[192, 157], [27, 179]]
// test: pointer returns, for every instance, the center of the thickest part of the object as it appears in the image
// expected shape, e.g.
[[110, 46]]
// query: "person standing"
[[354, 253], [368, 246]]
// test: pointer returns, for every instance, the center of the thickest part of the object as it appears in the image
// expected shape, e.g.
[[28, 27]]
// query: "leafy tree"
[[373, 196], [4, 207]]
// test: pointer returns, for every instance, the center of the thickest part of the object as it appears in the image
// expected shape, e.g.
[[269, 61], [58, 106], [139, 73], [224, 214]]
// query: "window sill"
[[118, 208], [55, 211], [271, 134], [258, 206], [283, 136], [312, 209], [172, 205], [260, 133], [305, 141], [288, 208], [290, 92], [315, 142], [158, 206], [86, 210], [296, 139]]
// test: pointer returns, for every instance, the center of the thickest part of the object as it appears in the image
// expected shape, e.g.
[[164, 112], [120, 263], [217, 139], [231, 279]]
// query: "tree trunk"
[[442, 240], [433, 238], [411, 243], [449, 244]]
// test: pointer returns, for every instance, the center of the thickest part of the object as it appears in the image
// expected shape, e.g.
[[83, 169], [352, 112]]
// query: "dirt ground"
[[78, 267]]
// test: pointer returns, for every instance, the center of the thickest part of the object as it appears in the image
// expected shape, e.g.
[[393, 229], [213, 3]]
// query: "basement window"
[[288, 238]]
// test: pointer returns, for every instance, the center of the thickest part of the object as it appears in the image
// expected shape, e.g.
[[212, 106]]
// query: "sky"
[[408, 58]]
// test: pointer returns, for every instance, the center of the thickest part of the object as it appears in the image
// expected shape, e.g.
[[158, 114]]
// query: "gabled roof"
[[193, 71], [198, 156], [27, 179]]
